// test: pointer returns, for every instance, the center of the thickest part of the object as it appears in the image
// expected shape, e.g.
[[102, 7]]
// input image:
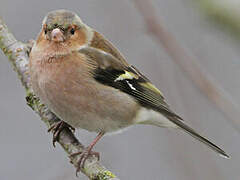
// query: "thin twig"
[[189, 64], [17, 53]]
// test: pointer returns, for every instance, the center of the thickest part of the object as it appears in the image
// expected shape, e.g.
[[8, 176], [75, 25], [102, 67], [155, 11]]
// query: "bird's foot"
[[84, 155], [56, 128]]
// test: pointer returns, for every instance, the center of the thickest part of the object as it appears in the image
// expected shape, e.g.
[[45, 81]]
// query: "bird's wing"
[[111, 71]]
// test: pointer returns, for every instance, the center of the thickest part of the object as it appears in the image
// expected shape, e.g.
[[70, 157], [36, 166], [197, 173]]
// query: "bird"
[[86, 81]]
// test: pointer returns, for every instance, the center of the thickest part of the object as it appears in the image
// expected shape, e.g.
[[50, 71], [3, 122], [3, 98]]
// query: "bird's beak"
[[57, 35]]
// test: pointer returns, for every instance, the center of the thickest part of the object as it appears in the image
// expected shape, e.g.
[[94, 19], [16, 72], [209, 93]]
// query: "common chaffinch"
[[88, 84]]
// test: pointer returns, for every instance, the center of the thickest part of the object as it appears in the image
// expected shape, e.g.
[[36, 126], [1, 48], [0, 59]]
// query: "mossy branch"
[[17, 53]]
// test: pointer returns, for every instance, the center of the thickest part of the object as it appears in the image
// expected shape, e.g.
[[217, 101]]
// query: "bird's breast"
[[68, 89]]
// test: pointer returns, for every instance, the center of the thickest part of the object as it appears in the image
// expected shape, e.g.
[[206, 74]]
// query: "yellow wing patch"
[[126, 75]]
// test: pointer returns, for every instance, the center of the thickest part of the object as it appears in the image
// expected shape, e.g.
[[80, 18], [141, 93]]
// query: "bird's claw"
[[84, 155], [56, 128]]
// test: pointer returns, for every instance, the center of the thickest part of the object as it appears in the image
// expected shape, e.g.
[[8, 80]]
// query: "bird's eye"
[[72, 31]]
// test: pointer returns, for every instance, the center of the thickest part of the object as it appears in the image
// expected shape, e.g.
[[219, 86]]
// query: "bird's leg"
[[56, 128], [87, 152]]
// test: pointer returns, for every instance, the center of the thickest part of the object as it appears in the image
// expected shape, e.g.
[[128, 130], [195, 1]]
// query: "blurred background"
[[207, 30]]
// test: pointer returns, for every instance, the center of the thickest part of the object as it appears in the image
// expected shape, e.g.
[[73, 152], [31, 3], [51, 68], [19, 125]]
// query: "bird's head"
[[64, 29]]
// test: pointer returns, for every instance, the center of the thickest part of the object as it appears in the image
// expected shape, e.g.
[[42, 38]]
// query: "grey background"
[[143, 152]]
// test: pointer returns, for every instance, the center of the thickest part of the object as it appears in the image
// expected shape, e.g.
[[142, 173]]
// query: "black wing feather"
[[146, 97]]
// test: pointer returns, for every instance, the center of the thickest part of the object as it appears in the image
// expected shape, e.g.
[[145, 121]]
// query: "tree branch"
[[189, 64], [17, 53]]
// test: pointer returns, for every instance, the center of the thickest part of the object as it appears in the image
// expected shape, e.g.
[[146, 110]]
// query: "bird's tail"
[[180, 123]]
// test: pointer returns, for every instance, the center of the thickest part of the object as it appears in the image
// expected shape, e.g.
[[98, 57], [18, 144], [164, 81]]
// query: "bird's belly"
[[85, 106]]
